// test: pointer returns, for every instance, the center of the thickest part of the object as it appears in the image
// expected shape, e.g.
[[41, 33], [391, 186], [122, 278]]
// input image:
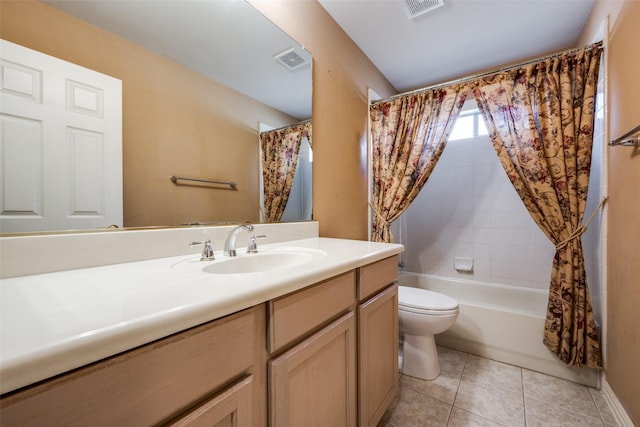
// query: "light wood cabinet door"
[[378, 354], [231, 408], [149, 384], [314, 383]]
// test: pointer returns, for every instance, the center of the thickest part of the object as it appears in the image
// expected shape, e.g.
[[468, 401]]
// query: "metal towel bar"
[[629, 139], [175, 180]]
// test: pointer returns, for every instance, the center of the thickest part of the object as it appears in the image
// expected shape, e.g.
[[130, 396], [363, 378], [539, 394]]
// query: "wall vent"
[[290, 59], [418, 7]]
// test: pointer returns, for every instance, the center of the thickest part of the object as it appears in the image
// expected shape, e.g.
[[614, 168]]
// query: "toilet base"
[[420, 357]]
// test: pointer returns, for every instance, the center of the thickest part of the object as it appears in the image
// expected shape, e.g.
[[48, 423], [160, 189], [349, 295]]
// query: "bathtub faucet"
[[230, 243]]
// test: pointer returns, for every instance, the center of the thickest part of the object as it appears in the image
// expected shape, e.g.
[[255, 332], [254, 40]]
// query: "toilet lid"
[[424, 299]]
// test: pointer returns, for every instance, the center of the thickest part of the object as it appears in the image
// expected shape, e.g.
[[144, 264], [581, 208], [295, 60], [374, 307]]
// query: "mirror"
[[197, 78]]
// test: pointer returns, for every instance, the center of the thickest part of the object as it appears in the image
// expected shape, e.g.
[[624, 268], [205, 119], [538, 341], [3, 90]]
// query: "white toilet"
[[422, 314]]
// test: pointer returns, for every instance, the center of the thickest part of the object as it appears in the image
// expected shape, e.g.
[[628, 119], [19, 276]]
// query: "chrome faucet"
[[207, 250], [252, 248], [230, 243]]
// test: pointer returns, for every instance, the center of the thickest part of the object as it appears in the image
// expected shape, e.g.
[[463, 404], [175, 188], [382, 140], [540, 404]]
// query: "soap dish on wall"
[[463, 264]]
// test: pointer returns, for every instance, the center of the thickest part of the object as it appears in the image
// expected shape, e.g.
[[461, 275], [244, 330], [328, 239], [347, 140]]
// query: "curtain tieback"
[[580, 230], [380, 217]]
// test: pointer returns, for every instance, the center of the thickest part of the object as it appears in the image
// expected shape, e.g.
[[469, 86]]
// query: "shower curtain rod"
[[487, 73], [304, 122]]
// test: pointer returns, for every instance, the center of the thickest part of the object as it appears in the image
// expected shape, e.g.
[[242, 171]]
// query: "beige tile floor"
[[474, 391]]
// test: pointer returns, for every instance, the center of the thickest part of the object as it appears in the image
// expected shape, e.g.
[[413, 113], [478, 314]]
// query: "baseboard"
[[615, 406]]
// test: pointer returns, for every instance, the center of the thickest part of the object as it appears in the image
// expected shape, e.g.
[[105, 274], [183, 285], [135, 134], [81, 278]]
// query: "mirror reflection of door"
[[299, 205], [60, 144]]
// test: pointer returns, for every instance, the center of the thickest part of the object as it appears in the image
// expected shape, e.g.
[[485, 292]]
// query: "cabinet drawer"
[[294, 315], [377, 276], [146, 385]]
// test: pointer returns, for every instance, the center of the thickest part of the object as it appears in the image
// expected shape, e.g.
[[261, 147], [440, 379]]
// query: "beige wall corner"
[[623, 292], [342, 75]]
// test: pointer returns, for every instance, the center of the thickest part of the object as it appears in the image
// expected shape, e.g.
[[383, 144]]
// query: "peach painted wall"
[[623, 257], [342, 75], [175, 122]]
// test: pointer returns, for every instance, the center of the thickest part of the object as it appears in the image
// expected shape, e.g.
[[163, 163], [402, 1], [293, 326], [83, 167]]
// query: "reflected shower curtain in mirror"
[[280, 150], [540, 119], [409, 133]]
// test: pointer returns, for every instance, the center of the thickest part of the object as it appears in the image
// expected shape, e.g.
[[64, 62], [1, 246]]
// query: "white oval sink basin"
[[243, 263], [257, 263]]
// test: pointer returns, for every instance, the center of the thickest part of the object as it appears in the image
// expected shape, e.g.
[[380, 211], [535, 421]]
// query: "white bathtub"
[[504, 323]]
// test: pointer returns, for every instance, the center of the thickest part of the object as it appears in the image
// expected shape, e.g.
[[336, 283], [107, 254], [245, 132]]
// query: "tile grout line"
[[600, 417], [468, 367], [466, 359], [596, 405], [524, 400], [563, 408]]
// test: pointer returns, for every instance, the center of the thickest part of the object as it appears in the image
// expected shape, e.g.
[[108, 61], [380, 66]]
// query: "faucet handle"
[[207, 250], [253, 247]]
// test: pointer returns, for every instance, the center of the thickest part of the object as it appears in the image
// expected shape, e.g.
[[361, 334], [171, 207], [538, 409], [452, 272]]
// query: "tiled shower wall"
[[594, 241], [468, 208]]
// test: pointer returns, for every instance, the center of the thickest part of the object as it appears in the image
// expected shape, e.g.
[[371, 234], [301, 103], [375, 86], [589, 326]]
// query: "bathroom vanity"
[[312, 344]]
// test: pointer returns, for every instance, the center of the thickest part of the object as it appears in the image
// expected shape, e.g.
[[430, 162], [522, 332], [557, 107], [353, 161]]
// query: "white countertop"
[[52, 323]]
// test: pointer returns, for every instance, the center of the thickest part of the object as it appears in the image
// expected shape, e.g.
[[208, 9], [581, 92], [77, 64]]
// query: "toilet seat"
[[422, 301]]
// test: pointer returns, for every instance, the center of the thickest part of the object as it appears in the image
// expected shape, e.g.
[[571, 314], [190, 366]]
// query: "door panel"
[[60, 144]]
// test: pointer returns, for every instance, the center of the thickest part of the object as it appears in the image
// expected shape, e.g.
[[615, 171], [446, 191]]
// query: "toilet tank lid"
[[422, 298]]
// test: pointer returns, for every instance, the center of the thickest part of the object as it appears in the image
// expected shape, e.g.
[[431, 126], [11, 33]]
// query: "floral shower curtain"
[[409, 134], [540, 119], [280, 150]]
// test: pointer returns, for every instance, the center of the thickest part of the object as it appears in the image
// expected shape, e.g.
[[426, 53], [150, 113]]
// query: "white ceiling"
[[229, 41], [226, 40], [458, 39]]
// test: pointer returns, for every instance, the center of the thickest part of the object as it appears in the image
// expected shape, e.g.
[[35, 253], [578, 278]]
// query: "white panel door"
[[60, 144]]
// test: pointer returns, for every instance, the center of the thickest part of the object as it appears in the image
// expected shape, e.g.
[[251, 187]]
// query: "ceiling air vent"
[[418, 7], [290, 59]]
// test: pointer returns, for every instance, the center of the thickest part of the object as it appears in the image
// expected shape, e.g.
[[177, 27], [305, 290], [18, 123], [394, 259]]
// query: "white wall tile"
[[482, 269], [469, 208], [500, 271]]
